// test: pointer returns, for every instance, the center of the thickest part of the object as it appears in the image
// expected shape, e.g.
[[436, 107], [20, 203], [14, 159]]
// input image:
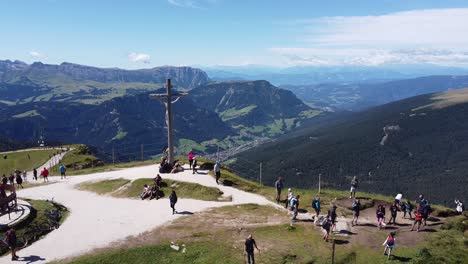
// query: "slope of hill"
[[125, 121], [22, 83], [417, 145], [358, 96], [254, 107]]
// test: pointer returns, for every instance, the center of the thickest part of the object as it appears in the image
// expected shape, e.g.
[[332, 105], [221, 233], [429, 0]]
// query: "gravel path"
[[95, 221]]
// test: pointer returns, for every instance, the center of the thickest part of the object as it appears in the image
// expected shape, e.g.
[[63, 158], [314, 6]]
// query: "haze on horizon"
[[144, 34]]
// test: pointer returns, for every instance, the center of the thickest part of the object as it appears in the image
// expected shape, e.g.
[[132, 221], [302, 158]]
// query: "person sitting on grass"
[[146, 192], [154, 192], [390, 244]]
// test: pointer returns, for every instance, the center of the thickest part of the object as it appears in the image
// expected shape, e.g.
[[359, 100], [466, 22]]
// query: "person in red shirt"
[[45, 174]]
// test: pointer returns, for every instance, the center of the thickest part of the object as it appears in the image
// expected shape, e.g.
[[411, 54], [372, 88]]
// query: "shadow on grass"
[[435, 224], [341, 242], [302, 211], [433, 219], [398, 224], [428, 230], [401, 259], [185, 213], [346, 232], [367, 224]]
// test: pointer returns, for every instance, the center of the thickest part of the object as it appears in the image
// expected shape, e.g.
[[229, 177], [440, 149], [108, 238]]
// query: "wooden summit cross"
[[167, 100]]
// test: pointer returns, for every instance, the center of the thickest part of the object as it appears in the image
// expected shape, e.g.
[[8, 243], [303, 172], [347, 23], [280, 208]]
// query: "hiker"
[[10, 240], [249, 249], [290, 196], [194, 164], [354, 185], [157, 180], [398, 199], [11, 179], [217, 171], [295, 206], [279, 188], [146, 192], [459, 209], [326, 224], [173, 201], [393, 213], [332, 216], [62, 171], [390, 244], [35, 174], [409, 209], [45, 174], [316, 206], [426, 210], [380, 213], [356, 208], [19, 180], [4, 179], [417, 219], [190, 159]]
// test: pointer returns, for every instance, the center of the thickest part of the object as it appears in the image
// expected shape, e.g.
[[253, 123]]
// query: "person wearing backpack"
[[295, 206], [409, 209], [316, 206], [390, 244], [354, 185], [173, 201], [356, 206], [10, 240], [380, 213], [326, 228], [332, 215]]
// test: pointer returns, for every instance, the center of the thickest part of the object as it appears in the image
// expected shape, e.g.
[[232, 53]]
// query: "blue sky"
[[143, 34]]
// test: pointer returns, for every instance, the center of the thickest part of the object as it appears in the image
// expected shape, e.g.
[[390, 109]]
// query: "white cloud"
[[139, 57], [192, 3], [435, 36], [37, 55]]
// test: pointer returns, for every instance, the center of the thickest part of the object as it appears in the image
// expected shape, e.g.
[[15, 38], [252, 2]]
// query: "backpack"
[[314, 204], [390, 241]]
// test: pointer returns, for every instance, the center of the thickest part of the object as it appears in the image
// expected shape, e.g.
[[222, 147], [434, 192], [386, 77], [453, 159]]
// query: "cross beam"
[[167, 100]]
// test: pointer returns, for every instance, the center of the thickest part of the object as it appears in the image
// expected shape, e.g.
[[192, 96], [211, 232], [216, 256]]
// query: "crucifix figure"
[[167, 100]]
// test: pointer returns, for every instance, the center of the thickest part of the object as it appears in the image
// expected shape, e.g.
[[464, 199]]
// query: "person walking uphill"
[[249, 249], [35, 174], [45, 174], [354, 185], [356, 209], [279, 188], [62, 171], [217, 171], [173, 201]]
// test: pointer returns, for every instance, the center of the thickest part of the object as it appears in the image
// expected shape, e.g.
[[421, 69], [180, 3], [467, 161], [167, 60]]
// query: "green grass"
[[186, 145], [233, 113], [79, 157], [38, 216], [199, 252], [21, 161], [103, 187], [183, 190]]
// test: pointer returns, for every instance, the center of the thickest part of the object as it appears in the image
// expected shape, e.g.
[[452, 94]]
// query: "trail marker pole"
[[333, 252], [261, 173], [320, 175], [167, 100]]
